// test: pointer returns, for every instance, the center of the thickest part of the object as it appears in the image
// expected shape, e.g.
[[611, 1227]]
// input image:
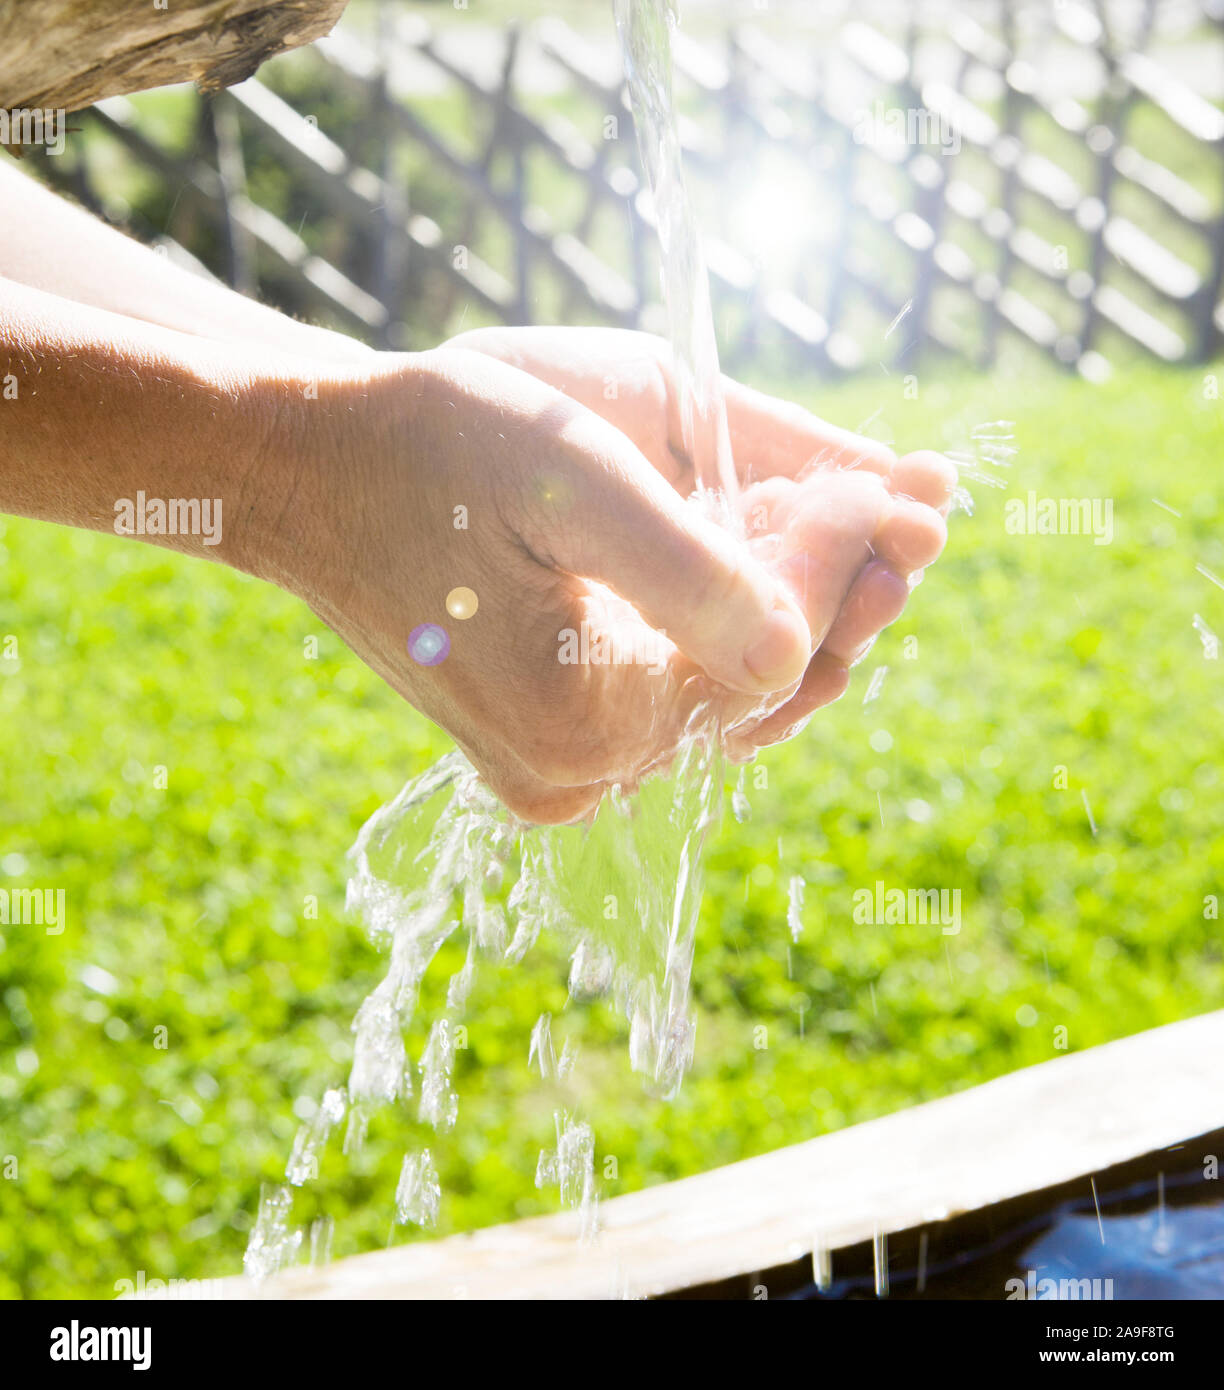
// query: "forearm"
[[102, 417], [51, 245]]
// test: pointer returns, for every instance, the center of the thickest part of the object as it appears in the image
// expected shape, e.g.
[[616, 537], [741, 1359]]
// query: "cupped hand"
[[849, 548], [608, 609]]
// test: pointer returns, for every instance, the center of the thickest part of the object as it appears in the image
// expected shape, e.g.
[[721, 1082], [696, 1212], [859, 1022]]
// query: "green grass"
[[1032, 653]]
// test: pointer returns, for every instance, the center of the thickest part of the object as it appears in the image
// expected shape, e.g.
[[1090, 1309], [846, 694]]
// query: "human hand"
[[850, 554], [451, 470]]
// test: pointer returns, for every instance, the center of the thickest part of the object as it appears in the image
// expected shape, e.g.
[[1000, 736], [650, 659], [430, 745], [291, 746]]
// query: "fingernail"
[[779, 651]]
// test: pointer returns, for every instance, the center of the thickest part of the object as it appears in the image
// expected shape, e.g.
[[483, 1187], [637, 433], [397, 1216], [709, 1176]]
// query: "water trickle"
[[896, 323], [418, 1193], [321, 1230], [311, 1137], [571, 1167], [645, 28], [1211, 642], [740, 807], [794, 906], [1211, 578], [875, 685]]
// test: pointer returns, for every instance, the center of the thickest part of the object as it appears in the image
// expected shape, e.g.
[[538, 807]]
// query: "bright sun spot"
[[777, 221]]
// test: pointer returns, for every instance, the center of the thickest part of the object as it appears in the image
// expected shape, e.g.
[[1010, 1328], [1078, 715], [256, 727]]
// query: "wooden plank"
[[1024, 1133], [71, 53]]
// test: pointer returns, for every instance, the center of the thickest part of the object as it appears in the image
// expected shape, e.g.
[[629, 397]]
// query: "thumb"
[[683, 573]]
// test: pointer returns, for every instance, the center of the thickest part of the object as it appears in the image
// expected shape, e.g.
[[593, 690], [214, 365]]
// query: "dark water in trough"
[[1161, 1239]]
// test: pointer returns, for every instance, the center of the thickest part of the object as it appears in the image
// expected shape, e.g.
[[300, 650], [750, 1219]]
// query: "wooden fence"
[[1042, 177]]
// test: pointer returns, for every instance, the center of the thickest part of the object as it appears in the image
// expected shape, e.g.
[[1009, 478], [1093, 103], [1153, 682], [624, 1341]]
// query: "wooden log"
[[1032, 1132], [68, 54]]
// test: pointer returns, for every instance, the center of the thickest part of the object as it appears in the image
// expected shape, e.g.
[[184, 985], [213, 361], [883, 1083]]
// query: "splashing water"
[[273, 1243], [307, 1146], [794, 906], [1210, 641], [875, 685], [433, 862], [571, 1167], [544, 1055], [418, 1193], [990, 445]]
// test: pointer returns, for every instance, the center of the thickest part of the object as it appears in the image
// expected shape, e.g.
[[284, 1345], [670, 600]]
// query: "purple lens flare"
[[428, 644]]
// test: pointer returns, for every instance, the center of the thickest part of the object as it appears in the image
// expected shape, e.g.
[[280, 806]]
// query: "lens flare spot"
[[462, 603], [428, 644]]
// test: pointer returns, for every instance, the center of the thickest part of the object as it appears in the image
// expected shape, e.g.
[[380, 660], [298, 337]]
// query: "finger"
[[824, 682], [772, 437], [876, 599], [926, 477], [911, 536], [828, 540], [684, 574], [766, 506]]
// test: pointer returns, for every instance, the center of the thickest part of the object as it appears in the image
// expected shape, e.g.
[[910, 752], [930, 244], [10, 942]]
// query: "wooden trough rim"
[[1023, 1133]]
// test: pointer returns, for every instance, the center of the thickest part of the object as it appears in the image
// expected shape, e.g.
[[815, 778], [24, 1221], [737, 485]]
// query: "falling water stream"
[[645, 29], [445, 858]]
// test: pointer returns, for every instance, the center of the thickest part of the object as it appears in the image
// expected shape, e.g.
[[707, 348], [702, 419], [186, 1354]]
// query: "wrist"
[[308, 484]]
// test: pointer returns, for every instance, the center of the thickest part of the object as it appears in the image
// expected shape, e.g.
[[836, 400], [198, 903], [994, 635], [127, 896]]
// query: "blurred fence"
[[960, 181]]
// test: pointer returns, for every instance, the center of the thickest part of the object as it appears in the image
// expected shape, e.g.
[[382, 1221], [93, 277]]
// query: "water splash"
[[543, 1054], [875, 685], [435, 861], [274, 1244], [1210, 641], [962, 500], [439, 1103], [418, 1194], [990, 445], [312, 1136], [794, 906], [571, 1167]]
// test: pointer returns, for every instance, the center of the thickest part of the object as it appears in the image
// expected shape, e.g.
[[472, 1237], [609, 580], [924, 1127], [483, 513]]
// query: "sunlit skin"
[[845, 524], [377, 485]]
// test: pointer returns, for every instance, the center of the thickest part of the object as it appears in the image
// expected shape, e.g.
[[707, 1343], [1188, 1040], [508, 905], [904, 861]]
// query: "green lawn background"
[[187, 905]]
